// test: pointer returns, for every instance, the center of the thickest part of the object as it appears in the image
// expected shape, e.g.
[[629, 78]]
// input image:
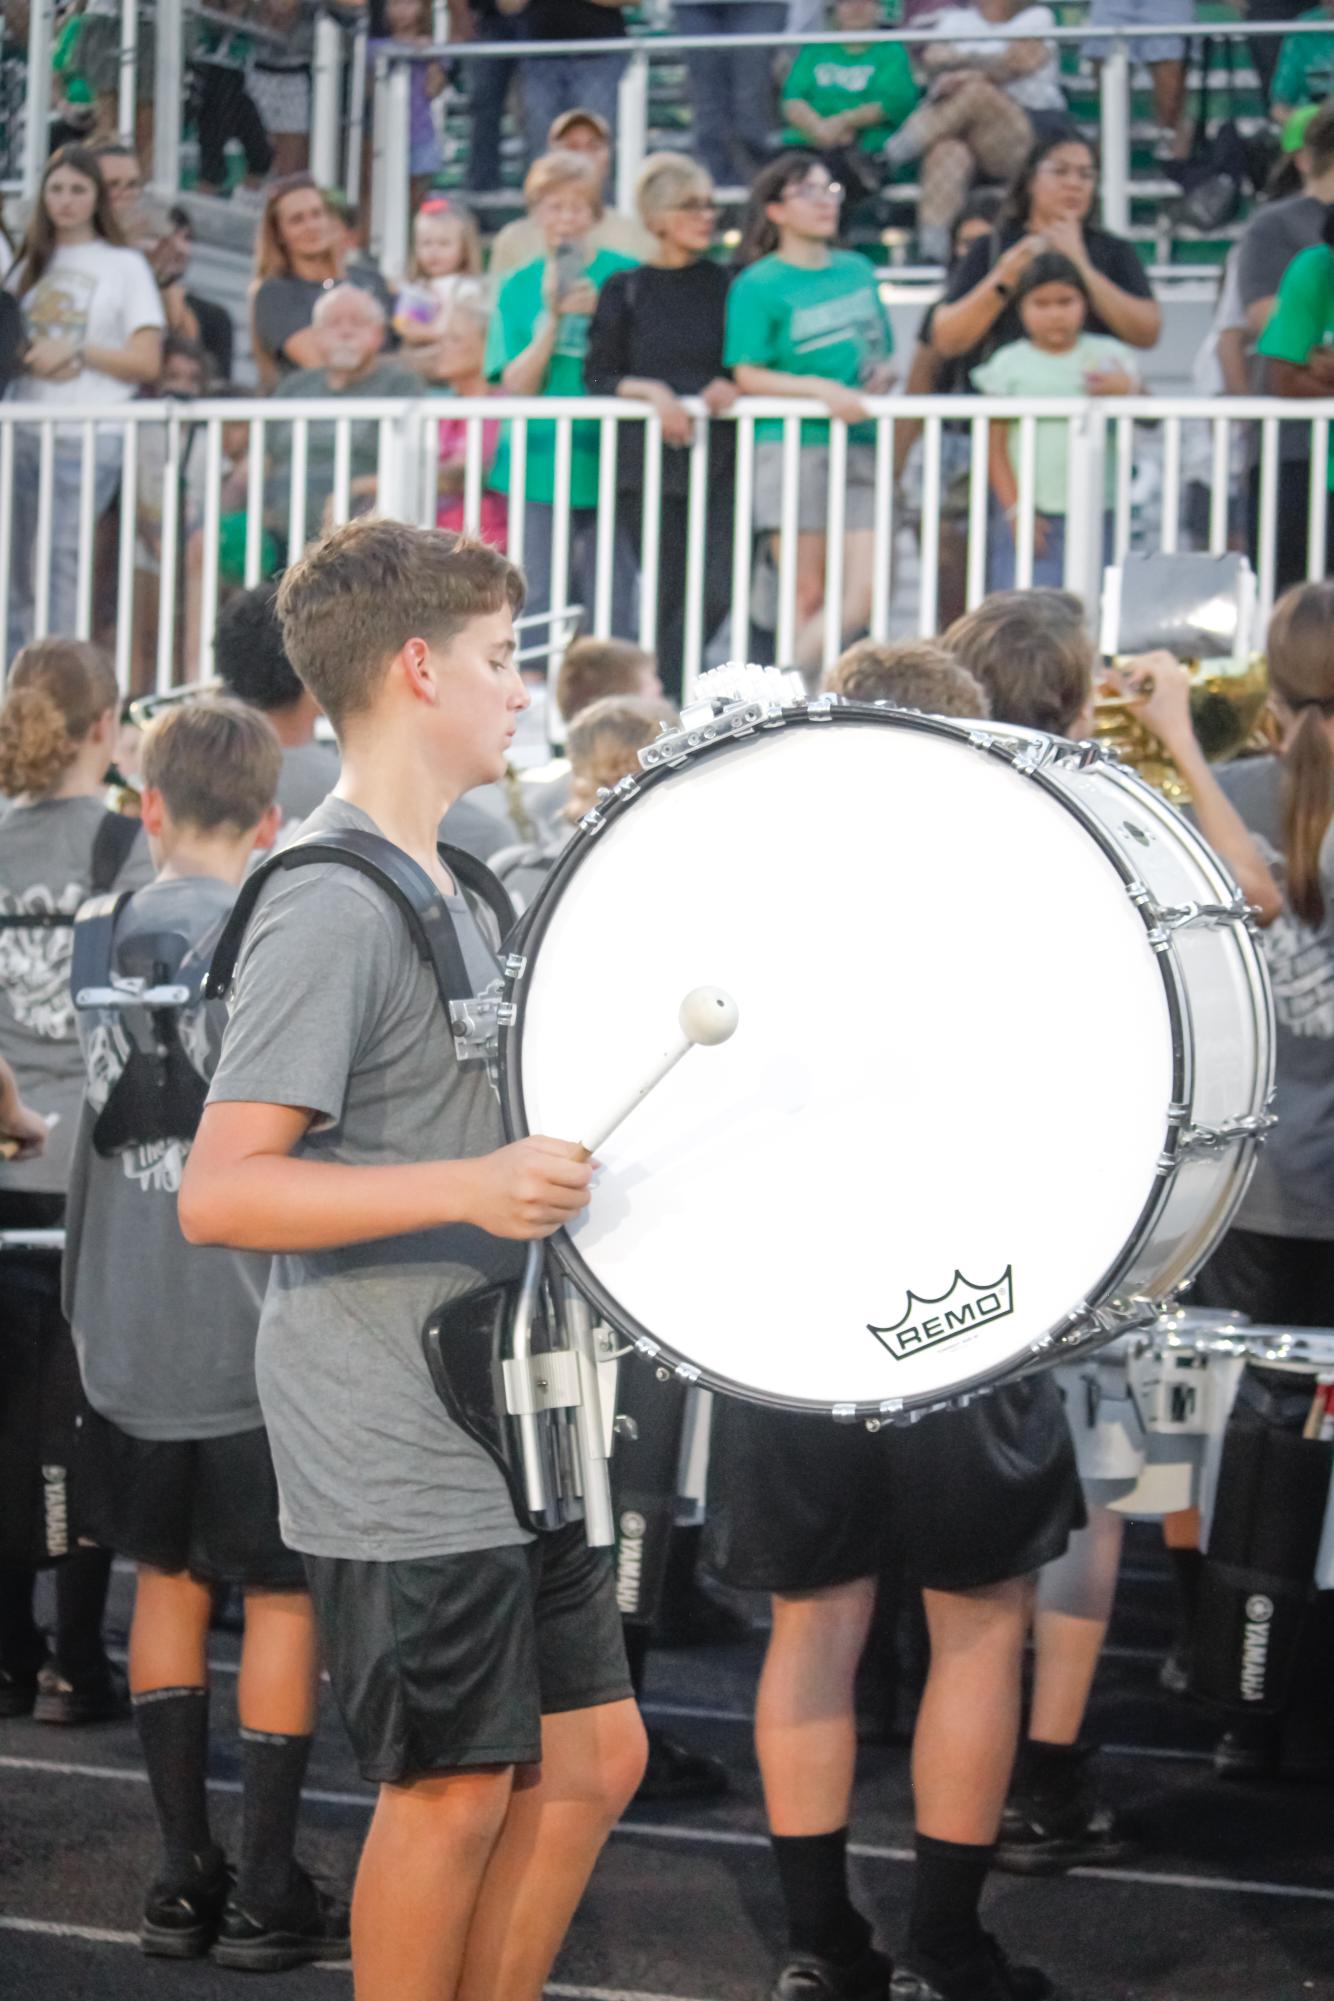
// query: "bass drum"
[[1003, 1057]]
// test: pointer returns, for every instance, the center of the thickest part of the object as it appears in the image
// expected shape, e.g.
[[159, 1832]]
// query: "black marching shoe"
[[18, 1691], [1250, 1748], [1021, 1983], [977, 1978], [311, 1924], [1058, 1824], [98, 1698], [182, 1916], [805, 1976], [675, 1773]]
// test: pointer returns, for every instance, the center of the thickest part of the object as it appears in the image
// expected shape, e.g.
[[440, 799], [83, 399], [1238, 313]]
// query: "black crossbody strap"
[[423, 908], [94, 941], [475, 879]]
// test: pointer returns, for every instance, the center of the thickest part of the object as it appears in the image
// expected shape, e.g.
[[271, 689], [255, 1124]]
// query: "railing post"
[[127, 84], [326, 122], [631, 128], [36, 132], [1085, 538], [1114, 88], [356, 118], [390, 187], [168, 69]]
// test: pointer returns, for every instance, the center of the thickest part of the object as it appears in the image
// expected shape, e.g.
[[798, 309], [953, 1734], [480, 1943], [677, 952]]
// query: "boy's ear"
[[418, 672], [269, 828], [152, 811]]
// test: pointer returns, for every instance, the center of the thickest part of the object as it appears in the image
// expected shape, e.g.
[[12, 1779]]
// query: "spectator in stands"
[[299, 254], [910, 674], [183, 379], [537, 344], [731, 90], [99, 59], [223, 107], [460, 367], [1298, 344], [551, 84], [591, 670], [95, 320], [658, 335], [1279, 229], [848, 98], [1265, 48], [986, 99], [1056, 357], [1047, 208], [216, 332], [347, 332], [445, 265], [806, 320], [929, 373], [1305, 70], [146, 227], [252, 665], [519, 242], [489, 83], [1163, 55], [408, 25], [279, 80]]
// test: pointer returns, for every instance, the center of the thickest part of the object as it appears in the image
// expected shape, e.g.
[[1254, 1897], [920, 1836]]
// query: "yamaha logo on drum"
[[965, 1306]]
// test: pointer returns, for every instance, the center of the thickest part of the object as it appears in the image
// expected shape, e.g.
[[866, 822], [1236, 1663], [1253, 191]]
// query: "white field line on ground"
[[95, 1935], [719, 1837]]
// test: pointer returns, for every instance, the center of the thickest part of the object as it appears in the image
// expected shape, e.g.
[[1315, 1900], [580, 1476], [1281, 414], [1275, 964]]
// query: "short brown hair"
[[353, 600], [605, 741], [1032, 652], [1318, 140], [914, 674], [215, 762], [594, 667], [562, 169], [57, 690]]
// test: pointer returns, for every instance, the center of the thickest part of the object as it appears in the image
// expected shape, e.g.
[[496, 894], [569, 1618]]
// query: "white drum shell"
[[1118, 1036]]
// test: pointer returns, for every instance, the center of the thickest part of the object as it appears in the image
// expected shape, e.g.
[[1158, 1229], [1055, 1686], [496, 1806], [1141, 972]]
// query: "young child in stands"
[[174, 1468], [1056, 357]]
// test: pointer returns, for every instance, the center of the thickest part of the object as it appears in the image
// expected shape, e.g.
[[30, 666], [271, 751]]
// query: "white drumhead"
[[941, 1111]]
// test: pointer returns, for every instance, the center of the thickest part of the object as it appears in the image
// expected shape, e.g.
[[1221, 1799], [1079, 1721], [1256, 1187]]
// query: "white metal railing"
[[147, 574]]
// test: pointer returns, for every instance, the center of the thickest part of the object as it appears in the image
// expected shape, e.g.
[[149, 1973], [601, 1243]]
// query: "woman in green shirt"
[[806, 320], [536, 347], [1298, 348], [847, 98]]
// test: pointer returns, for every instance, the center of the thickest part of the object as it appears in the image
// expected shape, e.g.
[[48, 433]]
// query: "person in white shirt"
[[94, 320], [986, 100]]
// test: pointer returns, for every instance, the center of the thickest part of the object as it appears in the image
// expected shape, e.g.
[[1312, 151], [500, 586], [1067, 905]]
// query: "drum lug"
[[1189, 1142], [477, 1023], [703, 724], [515, 966], [593, 821], [1181, 916]]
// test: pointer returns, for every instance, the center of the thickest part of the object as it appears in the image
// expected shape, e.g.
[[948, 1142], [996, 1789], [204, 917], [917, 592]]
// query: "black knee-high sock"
[[173, 1730], [273, 1769], [947, 1887], [22, 1646], [81, 1602], [636, 1655], [821, 1917]]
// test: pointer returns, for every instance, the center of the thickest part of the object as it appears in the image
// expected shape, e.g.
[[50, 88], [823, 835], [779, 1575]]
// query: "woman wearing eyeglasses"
[[657, 335], [1048, 208], [805, 319]]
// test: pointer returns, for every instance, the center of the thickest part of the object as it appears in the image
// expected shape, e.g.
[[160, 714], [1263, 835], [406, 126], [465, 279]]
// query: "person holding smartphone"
[[536, 347]]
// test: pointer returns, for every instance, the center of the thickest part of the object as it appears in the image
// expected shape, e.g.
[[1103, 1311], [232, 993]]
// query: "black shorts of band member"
[[443, 1663], [962, 1498], [206, 1505]]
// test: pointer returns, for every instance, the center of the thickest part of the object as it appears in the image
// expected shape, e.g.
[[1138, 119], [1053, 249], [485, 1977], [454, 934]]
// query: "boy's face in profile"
[[482, 696]]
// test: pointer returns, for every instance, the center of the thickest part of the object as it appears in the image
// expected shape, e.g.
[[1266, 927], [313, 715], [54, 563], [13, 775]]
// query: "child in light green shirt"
[[1055, 358]]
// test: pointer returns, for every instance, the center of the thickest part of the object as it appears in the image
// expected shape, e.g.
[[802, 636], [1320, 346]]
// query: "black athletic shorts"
[[443, 1662], [962, 1498], [206, 1505]]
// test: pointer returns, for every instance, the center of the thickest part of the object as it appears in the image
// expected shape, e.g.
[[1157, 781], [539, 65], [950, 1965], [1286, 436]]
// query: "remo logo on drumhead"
[[960, 1310]]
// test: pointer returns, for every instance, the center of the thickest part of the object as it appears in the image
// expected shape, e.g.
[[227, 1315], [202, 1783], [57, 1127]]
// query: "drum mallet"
[[706, 1016]]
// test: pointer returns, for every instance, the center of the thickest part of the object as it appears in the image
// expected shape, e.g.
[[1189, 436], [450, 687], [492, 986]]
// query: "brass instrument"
[[1227, 707]]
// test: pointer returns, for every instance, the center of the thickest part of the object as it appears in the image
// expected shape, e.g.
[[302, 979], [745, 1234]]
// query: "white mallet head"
[[708, 1015]]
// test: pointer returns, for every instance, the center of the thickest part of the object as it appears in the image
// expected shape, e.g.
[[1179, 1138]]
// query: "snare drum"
[[1004, 1053]]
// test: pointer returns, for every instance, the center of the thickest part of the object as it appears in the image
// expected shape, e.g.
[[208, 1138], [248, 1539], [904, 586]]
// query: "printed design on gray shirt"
[[155, 1165], [34, 964], [1301, 968]]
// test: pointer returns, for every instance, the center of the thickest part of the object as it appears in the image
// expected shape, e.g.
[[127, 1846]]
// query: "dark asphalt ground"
[[1230, 1892]]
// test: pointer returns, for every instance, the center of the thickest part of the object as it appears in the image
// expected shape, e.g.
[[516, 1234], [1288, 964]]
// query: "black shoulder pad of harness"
[[423, 908], [94, 942]]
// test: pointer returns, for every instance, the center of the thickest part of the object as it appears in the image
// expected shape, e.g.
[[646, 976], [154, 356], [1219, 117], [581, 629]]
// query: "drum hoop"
[[1086, 1327]]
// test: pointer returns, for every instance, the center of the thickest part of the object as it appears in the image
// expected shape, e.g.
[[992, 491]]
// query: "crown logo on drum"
[[927, 1320]]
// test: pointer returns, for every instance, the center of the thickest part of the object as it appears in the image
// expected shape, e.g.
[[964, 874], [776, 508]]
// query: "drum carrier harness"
[[487, 1392]]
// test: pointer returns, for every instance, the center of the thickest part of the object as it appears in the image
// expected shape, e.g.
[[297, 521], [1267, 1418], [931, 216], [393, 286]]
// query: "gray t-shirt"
[[286, 305], [165, 1330], [1292, 1193], [387, 378], [333, 1010], [46, 852], [309, 774], [1270, 241]]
